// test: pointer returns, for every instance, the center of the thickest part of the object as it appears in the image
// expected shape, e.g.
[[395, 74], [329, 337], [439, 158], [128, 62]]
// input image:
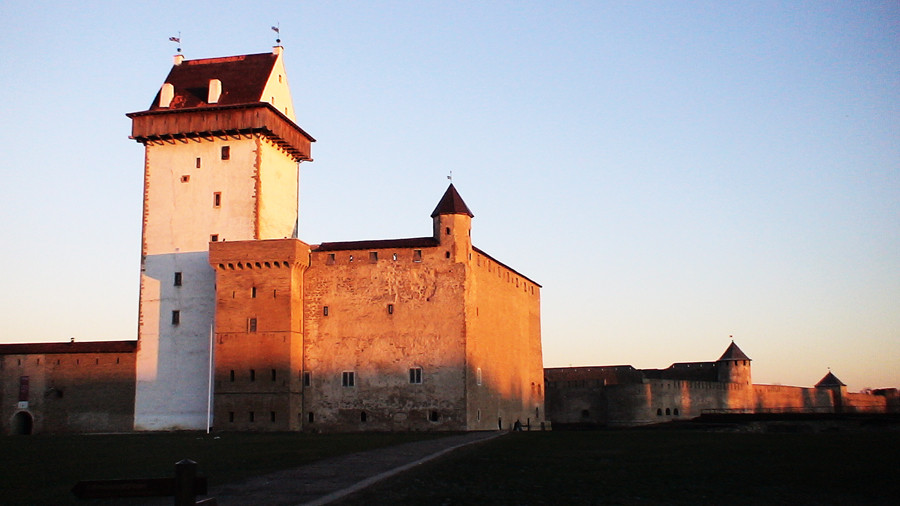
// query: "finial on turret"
[[277, 29], [450, 177]]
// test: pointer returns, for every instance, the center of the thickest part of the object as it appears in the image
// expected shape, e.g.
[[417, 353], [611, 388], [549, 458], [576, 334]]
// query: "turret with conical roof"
[[453, 225], [734, 366]]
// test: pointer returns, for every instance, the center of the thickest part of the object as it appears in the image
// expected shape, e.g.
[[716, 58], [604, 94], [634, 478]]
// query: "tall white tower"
[[222, 154]]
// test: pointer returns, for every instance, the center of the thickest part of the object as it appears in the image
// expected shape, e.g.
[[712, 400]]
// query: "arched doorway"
[[22, 423]]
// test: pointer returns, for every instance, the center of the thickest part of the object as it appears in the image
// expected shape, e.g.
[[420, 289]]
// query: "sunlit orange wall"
[[504, 341], [272, 391], [425, 330], [71, 392]]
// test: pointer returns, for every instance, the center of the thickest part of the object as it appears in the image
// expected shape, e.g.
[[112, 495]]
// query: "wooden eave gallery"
[[169, 125]]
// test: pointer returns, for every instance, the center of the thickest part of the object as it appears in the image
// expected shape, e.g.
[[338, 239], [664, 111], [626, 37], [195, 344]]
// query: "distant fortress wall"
[[625, 396]]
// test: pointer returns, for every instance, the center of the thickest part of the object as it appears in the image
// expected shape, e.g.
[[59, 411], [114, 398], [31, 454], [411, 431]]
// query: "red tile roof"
[[413, 242], [451, 203], [71, 347], [733, 353], [243, 79]]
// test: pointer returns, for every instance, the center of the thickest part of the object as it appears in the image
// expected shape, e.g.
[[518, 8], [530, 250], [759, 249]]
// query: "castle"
[[245, 327], [624, 396]]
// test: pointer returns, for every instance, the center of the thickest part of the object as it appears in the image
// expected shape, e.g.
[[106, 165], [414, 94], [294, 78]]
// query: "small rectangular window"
[[252, 374], [231, 416], [251, 325], [253, 293], [330, 259], [274, 374], [390, 309], [226, 152], [231, 375], [306, 379], [217, 199], [214, 238], [417, 255], [373, 256], [311, 417], [478, 376], [177, 281], [348, 378], [324, 310], [176, 317], [185, 179], [415, 375], [272, 416], [198, 162], [394, 257], [252, 416]]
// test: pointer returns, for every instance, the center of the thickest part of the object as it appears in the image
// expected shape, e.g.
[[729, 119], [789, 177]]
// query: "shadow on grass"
[[656, 467], [43, 469]]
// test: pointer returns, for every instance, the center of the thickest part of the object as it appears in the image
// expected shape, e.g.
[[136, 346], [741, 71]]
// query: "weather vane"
[[450, 177], [177, 40], [277, 29]]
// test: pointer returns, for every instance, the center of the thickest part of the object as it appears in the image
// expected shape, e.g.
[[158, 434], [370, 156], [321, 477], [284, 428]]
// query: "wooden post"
[[185, 472]]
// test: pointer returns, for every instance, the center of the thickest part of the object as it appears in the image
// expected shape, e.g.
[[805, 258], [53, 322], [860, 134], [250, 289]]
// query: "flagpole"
[[210, 378]]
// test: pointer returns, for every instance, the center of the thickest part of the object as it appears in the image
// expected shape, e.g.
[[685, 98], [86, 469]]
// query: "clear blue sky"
[[671, 172]]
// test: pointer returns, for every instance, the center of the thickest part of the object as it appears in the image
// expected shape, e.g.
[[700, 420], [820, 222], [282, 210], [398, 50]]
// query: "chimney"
[[166, 94], [178, 58], [215, 91]]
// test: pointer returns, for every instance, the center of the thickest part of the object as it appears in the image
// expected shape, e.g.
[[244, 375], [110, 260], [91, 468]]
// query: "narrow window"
[[446, 254], [330, 259], [253, 293], [231, 375], [373, 256], [478, 415], [176, 317], [363, 417], [348, 378], [231, 416], [273, 374], [675, 412], [394, 257], [417, 255], [659, 412], [185, 179], [415, 375], [351, 259], [324, 310], [214, 238], [478, 376], [448, 230], [252, 416], [198, 162], [217, 199], [251, 325], [252, 374], [585, 413], [272, 416], [390, 309], [434, 416], [306, 379], [177, 279], [668, 411], [226, 152], [311, 417]]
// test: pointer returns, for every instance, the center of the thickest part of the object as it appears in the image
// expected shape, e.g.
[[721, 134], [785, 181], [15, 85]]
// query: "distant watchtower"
[[734, 366], [222, 153]]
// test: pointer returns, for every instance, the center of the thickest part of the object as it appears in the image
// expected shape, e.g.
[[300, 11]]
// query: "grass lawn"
[[37, 470], [656, 467], [596, 467]]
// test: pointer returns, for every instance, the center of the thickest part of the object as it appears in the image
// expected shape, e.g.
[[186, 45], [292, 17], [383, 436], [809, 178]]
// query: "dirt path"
[[331, 479]]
